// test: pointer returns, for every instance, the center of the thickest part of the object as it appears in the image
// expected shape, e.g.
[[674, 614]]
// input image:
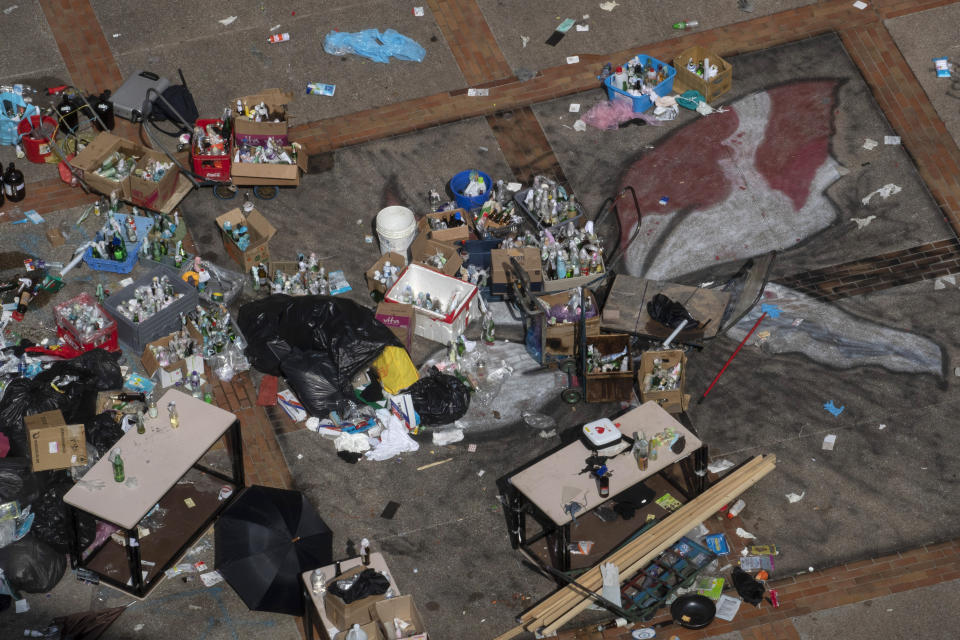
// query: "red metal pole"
[[733, 355]]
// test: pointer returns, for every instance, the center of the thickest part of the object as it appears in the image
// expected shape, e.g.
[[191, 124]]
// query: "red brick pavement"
[[82, 44], [471, 41]]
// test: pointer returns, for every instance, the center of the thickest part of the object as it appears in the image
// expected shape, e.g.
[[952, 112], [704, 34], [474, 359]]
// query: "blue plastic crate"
[[113, 266], [642, 103], [144, 225]]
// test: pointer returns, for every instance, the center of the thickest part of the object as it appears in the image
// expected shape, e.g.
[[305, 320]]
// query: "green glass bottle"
[[117, 465]]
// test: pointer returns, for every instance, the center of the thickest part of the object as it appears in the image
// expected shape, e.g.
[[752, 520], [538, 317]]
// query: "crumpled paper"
[[352, 442], [394, 440]]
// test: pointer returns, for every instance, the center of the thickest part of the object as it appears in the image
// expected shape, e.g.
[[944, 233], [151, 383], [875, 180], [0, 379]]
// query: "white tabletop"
[[547, 482], [157, 459], [376, 562]]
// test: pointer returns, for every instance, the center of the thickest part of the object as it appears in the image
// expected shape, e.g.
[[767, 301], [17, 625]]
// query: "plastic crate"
[[431, 325], [144, 225], [136, 335], [520, 198], [642, 103], [211, 167], [105, 338]]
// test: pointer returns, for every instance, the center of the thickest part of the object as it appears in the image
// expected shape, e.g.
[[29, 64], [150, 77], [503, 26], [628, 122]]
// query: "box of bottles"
[[382, 274], [450, 226], [609, 368], [264, 114], [502, 270], [107, 163], [433, 295], [153, 180], [85, 325], [210, 161], [438, 256], [161, 357], [259, 231], [704, 71], [553, 335], [635, 71], [137, 335], [662, 377]]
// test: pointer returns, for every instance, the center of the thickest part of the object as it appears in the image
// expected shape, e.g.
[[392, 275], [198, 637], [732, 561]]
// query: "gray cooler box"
[[130, 100]]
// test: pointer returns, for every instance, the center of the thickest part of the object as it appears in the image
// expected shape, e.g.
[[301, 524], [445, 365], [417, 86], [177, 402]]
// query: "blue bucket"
[[460, 181]]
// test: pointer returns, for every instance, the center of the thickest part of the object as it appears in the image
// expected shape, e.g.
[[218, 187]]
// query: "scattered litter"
[[472, 448], [573, 59], [189, 502], [138, 626], [762, 336], [321, 89], [375, 45], [942, 65], [393, 440], [583, 27], [810, 569], [663, 201], [828, 442], [870, 144], [943, 281], [560, 31], [579, 125], [194, 606], [274, 27], [859, 4], [480, 473], [447, 436], [434, 464], [390, 510], [482, 149], [473, 93], [116, 35], [884, 192], [862, 222], [743, 533], [891, 139], [229, 21], [415, 570], [211, 578], [524, 40], [719, 466], [11, 9], [368, 239], [609, 6], [418, 12], [956, 372], [797, 322], [882, 427], [546, 435], [727, 607], [352, 442], [793, 497], [278, 37], [21, 606], [574, 107], [745, 5], [834, 409]]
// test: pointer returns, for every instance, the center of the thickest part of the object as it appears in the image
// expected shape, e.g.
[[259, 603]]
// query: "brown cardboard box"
[[560, 338], [423, 247], [53, 443], [401, 319], [343, 615], [260, 233], [395, 260], [716, 86], [672, 400], [372, 629], [401, 607], [276, 101], [93, 155], [284, 175], [529, 259], [55, 236], [612, 386], [175, 371], [150, 194], [446, 235]]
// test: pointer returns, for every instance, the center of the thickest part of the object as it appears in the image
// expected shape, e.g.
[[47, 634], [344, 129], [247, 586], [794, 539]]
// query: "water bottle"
[[356, 633]]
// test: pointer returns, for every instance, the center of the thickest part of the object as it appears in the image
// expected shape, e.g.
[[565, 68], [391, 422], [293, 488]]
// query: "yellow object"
[[191, 277], [395, 369]]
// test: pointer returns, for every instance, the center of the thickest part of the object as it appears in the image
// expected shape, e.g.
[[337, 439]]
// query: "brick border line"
[[525, 146], [82, 45], [471, 41]]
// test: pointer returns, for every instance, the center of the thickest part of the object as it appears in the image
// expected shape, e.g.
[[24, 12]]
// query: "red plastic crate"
[[211, 167], [105, 338]]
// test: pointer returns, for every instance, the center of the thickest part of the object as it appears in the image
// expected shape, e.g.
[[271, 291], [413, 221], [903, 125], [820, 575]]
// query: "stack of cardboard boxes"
[[376, 614], [247, 130], [143, 193]]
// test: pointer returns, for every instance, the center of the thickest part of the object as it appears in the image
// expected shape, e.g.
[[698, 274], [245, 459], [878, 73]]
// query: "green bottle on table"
[[117, 465]]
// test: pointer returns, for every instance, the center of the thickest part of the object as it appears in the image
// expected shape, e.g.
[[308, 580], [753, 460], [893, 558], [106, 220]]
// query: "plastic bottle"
[[689, 24], [735, 510], [356, 633], [365, 553], [278, 37], [641, 449]]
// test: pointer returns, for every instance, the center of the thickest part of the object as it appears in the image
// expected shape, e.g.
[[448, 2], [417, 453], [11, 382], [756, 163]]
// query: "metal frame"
[[138, 588]]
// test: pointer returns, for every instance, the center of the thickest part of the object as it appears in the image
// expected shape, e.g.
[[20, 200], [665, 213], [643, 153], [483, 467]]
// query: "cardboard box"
[[372, 629], [343, 615], [260, 233], [449, 236], [53, 443], [276, 101], [711, 89], [150, 194], [561, 338], [401, 607], [423, 247], [672, 400], [501, 270], [93, 155], [401, 319], [284, 175], [612, 386], [175, 371], [395, 259]]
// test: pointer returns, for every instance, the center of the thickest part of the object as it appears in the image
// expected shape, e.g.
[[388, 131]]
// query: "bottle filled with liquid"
[[174, 416], [117, 461]]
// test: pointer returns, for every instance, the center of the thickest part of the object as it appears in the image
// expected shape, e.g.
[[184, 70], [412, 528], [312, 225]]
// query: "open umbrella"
[[264, 541]]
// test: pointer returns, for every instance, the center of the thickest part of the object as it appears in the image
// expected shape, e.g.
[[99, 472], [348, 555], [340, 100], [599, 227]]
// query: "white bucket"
[[396, 227]]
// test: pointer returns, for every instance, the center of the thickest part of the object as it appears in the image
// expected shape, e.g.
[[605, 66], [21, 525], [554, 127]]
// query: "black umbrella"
[[264, 541]]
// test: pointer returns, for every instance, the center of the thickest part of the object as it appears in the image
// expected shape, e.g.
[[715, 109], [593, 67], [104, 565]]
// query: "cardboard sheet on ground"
[[626, 307]]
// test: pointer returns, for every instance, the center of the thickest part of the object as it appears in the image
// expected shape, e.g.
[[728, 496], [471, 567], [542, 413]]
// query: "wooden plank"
[[626, 307]]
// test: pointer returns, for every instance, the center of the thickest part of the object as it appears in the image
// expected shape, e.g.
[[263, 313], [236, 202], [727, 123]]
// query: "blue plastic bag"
[[372, 44], [10, 105]]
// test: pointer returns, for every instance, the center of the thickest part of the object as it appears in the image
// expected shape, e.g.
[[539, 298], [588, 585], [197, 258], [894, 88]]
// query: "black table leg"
[[133, 558], [74, 538], [236, 440], [307, 613]]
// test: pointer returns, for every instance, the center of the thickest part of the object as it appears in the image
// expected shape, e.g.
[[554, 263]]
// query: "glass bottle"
[[174, 416], [152, 410], [141, 426], [117, 465]]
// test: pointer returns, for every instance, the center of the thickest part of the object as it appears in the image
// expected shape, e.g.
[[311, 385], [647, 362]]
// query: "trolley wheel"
[[570, 396], [568, 366], [225, 191], [266, 193]]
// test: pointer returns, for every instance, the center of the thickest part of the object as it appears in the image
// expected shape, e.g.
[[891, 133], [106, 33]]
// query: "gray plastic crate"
[[136, 335]]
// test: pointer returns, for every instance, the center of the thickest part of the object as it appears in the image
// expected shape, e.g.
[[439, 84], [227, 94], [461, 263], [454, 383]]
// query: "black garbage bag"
[[439, 398], [315, 379], [52, 520], [750, 590], [102, 431], [666, 311], [18, 482], [31, 565], [78, 380], [369, 583]]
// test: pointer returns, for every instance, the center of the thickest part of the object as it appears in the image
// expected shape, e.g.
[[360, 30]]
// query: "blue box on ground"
[[717, 543], [144, 224], [642, 103]]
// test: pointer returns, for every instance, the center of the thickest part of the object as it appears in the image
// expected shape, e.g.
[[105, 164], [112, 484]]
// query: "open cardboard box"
[[276, 101], [371, 629], [401, 607], [283, 175], [395, 260], [54, 444], [175, 371], [93, 155], [455, 234], [502, 270], [672, 400], [260, 231], [343, 615], [423, 247], [150, 194]]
